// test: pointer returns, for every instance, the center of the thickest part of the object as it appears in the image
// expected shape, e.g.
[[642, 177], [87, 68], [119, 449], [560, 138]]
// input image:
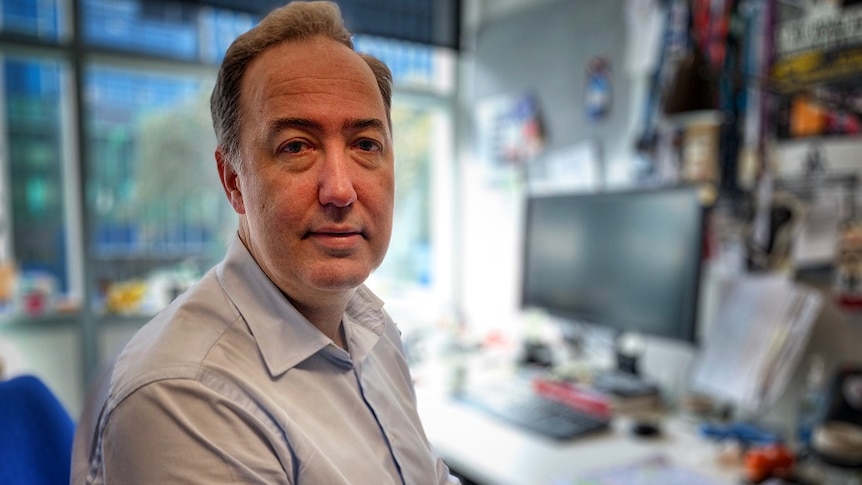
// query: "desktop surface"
[[491, 451]]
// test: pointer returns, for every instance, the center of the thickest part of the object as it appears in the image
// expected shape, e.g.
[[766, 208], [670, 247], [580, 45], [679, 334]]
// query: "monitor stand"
[[628, 348], [623, 377], [626, 379], [627, 364]]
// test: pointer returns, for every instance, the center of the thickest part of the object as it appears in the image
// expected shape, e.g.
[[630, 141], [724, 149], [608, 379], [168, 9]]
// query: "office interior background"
[[110, 204]]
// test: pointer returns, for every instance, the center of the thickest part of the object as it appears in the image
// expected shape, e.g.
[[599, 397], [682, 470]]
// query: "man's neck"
[[326, 318]]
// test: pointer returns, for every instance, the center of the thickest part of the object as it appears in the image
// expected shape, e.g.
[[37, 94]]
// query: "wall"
[[546, 50], [51, 350], [543, 50]]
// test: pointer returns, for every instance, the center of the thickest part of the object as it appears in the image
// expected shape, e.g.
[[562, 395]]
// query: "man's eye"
[[293, 147], [368, 146]]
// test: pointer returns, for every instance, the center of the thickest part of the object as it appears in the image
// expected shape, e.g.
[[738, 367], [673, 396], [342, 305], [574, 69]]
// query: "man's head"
[[305, 152], [296, 20]]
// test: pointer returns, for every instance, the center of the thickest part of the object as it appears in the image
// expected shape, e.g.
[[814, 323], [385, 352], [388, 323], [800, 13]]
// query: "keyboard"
[[520, 406]]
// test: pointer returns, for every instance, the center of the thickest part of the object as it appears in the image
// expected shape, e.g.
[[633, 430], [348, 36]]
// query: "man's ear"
[[229, 181]]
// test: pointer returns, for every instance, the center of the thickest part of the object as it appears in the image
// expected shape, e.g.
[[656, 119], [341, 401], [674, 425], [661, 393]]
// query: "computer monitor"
[[629, 261]]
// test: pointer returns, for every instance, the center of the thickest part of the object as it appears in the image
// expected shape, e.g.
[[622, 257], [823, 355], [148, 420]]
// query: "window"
[[124, 222], [37, 165], [152, 189]]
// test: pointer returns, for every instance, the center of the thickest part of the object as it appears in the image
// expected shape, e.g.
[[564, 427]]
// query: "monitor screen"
[[629, 261]]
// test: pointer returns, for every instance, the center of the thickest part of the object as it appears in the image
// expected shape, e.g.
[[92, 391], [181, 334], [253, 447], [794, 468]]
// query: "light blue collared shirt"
[[231, 384]]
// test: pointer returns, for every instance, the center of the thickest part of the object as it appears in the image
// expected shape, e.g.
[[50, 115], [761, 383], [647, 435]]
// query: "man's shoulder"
[[178, 342]]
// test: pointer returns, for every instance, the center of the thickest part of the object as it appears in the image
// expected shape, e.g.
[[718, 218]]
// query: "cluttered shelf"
[[33, 299]]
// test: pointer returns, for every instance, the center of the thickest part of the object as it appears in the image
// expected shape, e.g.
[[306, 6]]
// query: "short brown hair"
[[296, 20]]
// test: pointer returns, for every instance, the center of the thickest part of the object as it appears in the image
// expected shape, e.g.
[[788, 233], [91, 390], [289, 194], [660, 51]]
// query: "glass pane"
[[414, 66], [159, 215], [160, 28], [33, 94], [43, 19], [176, 29], [218, 28]]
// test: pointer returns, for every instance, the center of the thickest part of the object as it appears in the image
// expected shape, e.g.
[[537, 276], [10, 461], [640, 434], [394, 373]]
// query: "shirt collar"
[[283, 335]]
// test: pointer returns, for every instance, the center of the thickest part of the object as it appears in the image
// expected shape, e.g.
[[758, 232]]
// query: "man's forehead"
[[318, 80], [303, 65], [309, 55]]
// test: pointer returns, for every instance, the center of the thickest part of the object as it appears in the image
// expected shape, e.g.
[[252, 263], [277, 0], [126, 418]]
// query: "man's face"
[[316, 189]]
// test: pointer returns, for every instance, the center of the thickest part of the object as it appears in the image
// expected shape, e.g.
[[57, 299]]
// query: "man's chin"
[[339, 280]]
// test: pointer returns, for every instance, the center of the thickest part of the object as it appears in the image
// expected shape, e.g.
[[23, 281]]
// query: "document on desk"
[[654, 470], [756, 340]]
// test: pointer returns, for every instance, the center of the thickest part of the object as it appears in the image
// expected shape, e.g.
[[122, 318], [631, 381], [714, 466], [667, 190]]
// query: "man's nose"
[[335, 185]]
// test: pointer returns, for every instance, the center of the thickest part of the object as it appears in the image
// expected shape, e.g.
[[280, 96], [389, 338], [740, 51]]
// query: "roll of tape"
[[839, 440]]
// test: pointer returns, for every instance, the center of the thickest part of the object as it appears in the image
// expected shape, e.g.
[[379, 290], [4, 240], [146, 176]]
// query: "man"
[[279, 366]]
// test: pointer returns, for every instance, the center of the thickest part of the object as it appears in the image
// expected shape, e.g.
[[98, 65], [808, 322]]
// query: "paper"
[[756, 340], [651, 471], [577, 167], [818, 232]]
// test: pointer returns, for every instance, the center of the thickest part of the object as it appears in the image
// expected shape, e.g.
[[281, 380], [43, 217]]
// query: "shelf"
[[23, 323], [20, 322]]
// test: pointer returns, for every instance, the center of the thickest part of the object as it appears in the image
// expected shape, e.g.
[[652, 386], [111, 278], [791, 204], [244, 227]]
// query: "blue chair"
[[36, 434]]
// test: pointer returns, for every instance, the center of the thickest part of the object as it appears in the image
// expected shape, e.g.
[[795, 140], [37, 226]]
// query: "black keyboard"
[[520, 406]]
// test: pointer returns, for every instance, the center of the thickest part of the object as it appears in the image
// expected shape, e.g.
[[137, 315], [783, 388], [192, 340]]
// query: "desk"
[[494, 453]]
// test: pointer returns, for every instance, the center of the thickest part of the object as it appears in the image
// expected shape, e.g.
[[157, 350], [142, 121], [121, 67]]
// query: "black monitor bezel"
[[691, 334]]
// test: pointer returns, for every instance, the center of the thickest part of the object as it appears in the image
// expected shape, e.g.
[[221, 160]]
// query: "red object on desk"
[[849, 302], [764, 462], [572, 394]]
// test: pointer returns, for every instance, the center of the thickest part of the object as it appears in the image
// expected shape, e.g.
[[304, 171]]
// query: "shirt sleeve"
[[179, 431]]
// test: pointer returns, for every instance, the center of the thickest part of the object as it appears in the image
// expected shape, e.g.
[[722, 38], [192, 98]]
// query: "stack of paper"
[[756, 340]]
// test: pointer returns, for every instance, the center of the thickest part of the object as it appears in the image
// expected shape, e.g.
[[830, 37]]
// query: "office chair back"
[[35, 434]]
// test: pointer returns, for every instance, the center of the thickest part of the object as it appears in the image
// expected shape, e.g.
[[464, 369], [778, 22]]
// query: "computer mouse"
[[645, 429]]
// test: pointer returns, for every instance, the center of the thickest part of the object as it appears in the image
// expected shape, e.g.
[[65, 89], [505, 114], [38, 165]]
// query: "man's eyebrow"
[[360, 124], [280, 124]]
